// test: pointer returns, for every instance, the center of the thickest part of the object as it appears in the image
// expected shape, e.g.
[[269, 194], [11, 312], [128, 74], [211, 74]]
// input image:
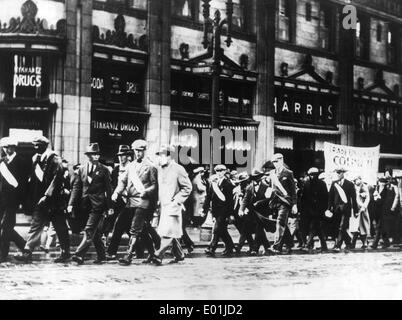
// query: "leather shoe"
[[209, 253], [156, 261], [176, 260], [25, 256], [227, 253], [64, 257], [111, 257], [125, 261], [98, 261], [77, 259]]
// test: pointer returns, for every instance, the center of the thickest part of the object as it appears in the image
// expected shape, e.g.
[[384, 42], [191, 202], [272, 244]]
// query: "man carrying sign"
[[140, 181], [13, 178], [342, 203]]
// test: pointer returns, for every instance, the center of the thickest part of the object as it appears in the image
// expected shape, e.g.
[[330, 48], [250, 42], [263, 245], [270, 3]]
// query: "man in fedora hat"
[[140, 184], [174, 189], [341, 202], [46, 194], [313, 203], [220, 200], [13, 179], [93, 187], [118, 171]]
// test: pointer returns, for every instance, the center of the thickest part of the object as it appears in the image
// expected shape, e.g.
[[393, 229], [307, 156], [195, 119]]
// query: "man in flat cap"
[[220, 200], [283, 179], [313, 203], [45, 189], [341, 201], [140, 184], [174, 189], [13, 179], [93, 187]]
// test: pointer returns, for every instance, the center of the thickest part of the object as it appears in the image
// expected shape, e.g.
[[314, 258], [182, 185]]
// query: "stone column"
[[73, 88], [157, 82], [345, 112], [264, 102]]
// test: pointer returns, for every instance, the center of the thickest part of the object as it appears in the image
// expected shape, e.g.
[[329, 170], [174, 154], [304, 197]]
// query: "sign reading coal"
[[27, 76], [305, 107]]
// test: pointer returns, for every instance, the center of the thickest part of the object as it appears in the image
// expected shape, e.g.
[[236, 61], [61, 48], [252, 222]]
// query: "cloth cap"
[[268, 166], [313, 171], [199, 169], [139, 145], [165, 149], [41, 140], [220, 167], [277, 156], [8, 141]]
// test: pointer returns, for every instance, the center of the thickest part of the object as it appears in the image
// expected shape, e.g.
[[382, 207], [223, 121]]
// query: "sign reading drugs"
[[27, 76], [358, 161]]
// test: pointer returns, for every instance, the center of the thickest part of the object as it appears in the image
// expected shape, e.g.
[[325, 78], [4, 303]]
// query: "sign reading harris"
[[358, 161], [27, 77], [305, 107]]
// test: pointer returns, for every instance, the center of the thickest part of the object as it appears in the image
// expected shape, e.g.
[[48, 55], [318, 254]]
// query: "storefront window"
[[362, 37], [29, 77], [284, 16], [392, 44], [183, 8], [117, 84], [377, 118], [191, 93], [326, 28]]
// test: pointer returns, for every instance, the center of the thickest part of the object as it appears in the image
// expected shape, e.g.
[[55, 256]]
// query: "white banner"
[[358, 161]]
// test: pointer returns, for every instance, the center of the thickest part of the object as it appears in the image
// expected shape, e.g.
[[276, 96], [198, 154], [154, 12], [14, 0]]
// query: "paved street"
[[373, 275]]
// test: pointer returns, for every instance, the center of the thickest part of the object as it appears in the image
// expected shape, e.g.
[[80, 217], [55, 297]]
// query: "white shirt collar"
[[11, 158]]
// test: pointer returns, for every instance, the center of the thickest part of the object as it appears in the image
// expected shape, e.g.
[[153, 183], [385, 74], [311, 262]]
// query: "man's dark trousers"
[[7, 232], [220, 231], [40, 216], [93, 231]]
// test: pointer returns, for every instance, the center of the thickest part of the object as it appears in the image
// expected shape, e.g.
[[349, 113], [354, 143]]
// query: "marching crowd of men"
[[97, 201]]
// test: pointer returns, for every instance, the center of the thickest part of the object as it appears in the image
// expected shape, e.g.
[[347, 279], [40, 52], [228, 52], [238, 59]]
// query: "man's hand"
[[142, 194], [329, 214], [69, 209], [114, 197], [110, 212], [203, 214], [294, 209], [42, 200], [241, 213]]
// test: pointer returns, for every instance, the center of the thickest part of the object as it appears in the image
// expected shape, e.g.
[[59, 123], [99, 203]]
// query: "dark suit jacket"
[[51, 185], [98, 192], [251, 198], [314, 198], [219, 207], [286, 178], [335, 203], [20, 170]]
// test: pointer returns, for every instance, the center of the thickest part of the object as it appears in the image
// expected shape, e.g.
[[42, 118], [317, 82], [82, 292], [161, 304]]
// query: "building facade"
[[113, 71]]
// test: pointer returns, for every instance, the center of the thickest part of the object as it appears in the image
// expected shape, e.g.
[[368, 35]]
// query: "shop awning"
[[202, 125], [307, 130]]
